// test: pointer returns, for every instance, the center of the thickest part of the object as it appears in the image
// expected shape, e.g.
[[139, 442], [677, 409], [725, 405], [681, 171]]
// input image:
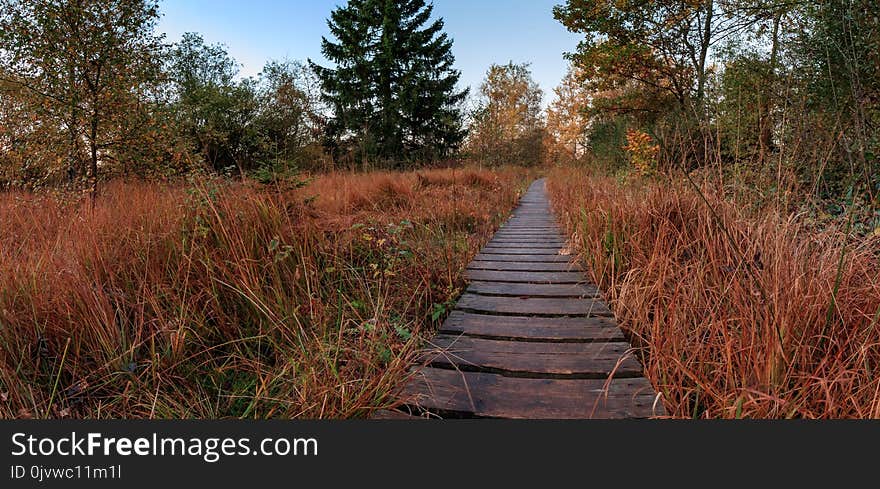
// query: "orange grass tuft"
[[735, 328], [223, 299]]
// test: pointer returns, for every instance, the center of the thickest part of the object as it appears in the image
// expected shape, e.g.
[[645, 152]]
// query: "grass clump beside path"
[[223, 299], [737, 313]]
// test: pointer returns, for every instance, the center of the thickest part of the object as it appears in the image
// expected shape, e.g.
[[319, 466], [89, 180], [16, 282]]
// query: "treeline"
[[778, 97], [90, 90]]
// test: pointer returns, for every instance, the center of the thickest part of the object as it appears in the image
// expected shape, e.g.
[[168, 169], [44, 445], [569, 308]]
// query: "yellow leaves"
[[567, 122], [642, 152]]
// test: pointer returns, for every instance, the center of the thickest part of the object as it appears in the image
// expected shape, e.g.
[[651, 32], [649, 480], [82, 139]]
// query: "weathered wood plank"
[[534, 290], [526, 277], [528, 237], [520, 244], [521, 222], [526, 241], [532, 329], [528, 266], [530, 232], [525, 234], [492, 250], [524, 246], [512, 226], [531, 227], [491, 395], [534, 305], [522, 258], [532, 359]]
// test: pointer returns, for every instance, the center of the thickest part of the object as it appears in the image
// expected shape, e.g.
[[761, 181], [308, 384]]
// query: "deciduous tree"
[[567, 117], [508, 124], [86, 63]]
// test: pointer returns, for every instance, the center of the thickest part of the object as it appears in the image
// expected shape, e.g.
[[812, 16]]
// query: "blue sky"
[[484, 32]]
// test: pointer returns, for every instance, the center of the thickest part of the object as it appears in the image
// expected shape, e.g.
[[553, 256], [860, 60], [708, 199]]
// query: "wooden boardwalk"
[[529, 338]]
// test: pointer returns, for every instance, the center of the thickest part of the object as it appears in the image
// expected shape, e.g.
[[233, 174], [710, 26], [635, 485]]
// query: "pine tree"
[[393, 90]]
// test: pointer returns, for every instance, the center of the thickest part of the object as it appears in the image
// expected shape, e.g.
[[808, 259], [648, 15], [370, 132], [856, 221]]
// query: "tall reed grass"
[[219, 299], [736, 312]]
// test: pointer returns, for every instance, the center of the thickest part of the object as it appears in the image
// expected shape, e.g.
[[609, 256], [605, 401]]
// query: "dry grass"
[[224, 299], [750, 315]]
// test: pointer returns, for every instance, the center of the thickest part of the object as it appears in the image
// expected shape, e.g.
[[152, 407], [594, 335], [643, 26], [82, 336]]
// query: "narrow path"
[[529, 338]]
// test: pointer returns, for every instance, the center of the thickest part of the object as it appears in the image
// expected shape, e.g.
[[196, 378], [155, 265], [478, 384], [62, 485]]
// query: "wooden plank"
[[522, 258], [537, 240], [524, 245], [545, 236], [527, 228], [532, 359], [540, 226], [526, 277], [551, 227], [493, 250], [534, 305], [532, 329], [532, 241], [535, 290], [528, 266], [545, 226], [529, 231], [524, 235], [514, 223], [490, 395]]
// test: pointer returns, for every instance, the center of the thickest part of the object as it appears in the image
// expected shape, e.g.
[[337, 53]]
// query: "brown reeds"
[[736, 312], [220, 299]]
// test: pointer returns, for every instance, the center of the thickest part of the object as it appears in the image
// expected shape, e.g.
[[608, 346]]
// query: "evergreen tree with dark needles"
[[393, 89]]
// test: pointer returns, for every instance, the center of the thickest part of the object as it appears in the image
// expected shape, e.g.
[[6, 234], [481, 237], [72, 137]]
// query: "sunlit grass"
[[221, 299], [739, 313]]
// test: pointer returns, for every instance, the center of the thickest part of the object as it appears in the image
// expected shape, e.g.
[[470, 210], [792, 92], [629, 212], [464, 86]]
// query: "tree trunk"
[[765, 123], [93, 147], [74, 162], [704, 54], [74, 168]]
